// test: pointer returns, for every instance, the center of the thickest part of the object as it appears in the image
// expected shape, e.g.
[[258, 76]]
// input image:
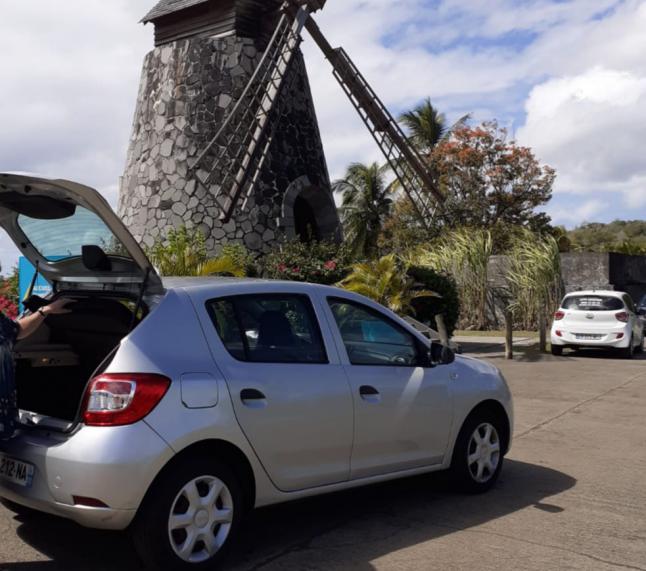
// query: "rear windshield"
[[593, 303], [62, 238]]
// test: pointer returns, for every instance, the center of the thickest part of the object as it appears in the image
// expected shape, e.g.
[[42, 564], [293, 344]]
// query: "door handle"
[[253, 398], [370, 394], [366, 390]]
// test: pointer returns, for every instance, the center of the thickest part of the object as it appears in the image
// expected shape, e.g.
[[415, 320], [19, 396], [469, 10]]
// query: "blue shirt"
[[8, 400]]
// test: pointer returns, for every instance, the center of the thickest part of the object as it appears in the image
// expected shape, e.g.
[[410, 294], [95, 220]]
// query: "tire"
[[464, 474], [628, 352], [160, 544], [557, 351]]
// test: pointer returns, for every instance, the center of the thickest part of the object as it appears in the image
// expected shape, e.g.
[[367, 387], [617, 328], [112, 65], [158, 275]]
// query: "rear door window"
[[593, 303], [271, 328]]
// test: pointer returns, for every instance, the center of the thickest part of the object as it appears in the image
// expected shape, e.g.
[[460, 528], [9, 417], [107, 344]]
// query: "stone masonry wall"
[[187, 89]]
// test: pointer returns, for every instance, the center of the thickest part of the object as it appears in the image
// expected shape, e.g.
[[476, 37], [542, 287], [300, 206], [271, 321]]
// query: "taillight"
[[559, 315], [622, 316], [121, 399]]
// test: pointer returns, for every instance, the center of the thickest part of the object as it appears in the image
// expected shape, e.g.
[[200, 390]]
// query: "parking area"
[[572, 495]]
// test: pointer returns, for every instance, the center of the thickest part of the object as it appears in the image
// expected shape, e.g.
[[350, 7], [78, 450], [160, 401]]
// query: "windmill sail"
[[405, 161], [230, 165]]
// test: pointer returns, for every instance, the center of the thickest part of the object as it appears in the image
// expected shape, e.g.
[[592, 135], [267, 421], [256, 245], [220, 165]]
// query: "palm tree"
[[386, 281], [426, 126], [366, 205]]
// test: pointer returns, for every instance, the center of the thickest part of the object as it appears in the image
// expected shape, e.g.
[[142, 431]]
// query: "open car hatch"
[[72, 234]]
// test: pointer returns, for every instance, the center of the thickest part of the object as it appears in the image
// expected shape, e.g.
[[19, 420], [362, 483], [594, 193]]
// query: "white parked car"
[[173, 407], [602, 319]]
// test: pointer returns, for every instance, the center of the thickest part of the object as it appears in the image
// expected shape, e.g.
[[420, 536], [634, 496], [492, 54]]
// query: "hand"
[[58, 307]]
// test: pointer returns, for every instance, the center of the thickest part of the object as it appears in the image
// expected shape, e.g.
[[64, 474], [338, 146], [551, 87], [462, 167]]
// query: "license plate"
[[16, 472], [589, 337]]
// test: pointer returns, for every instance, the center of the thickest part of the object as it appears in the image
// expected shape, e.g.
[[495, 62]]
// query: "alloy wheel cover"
[[483, 453], [200, 519]]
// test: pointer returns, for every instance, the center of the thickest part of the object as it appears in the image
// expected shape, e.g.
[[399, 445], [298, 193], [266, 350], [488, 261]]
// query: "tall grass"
[[464, 254], [534, 277]]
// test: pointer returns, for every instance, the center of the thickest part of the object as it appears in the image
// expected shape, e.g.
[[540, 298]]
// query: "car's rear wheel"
[[190, 517], [557, 351], [479, 453]]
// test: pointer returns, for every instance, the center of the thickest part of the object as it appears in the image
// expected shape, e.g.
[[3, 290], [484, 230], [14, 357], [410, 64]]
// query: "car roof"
[[606, 292], [195, 284]]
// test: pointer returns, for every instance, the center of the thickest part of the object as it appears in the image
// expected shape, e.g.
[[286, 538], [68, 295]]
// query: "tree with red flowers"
[[490, 181]]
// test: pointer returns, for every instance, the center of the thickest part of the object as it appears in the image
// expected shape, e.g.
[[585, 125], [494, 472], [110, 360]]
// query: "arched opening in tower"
[[305, 223]]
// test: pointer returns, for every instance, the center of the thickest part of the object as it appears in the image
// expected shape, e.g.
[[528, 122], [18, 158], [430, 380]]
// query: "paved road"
[[572, 496]]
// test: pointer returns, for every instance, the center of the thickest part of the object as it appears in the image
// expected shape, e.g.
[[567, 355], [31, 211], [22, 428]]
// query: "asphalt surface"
[[572, 495]]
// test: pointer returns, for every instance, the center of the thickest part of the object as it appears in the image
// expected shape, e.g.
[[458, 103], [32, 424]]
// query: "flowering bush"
[[9, 295], [8, 307], [314, 262]]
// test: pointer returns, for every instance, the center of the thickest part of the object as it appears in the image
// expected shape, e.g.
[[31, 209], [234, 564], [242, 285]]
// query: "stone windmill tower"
[[205, 56]]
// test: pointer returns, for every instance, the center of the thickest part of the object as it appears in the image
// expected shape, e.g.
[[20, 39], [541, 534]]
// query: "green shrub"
[[426, 308], [242, 258], [183, 253], [387, 282], [315, 262]]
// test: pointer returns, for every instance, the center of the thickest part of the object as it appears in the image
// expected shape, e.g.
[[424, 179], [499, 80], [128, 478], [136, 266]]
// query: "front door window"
[[373, 339]]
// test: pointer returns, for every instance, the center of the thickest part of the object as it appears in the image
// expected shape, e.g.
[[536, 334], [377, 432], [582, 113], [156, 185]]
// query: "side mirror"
[[441, 355]]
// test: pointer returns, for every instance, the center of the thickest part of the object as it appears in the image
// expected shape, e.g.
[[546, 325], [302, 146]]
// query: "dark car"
[[641, 310]]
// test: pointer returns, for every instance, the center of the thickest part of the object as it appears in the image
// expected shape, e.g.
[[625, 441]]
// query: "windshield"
[[64, 238], [593, 303]]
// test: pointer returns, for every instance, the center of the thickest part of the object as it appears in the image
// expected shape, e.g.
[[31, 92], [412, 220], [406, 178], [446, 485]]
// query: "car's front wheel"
[[479, 453], [190, 517]]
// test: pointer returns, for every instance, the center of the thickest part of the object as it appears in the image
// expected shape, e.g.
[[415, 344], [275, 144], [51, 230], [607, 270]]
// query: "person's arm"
[[30, 324]]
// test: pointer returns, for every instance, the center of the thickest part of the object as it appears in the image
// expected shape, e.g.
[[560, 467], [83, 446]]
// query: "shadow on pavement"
[[357, 526], [527, 352], [531, 354]]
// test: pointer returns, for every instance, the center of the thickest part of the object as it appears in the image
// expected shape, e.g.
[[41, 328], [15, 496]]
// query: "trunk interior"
[[54, 365]]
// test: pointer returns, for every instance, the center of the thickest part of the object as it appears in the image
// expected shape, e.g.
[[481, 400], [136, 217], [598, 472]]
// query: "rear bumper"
[[97, 518], [114, 465], [608, 338]]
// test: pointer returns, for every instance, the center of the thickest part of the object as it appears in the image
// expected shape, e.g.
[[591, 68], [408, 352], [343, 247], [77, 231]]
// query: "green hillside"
[[628, 237]]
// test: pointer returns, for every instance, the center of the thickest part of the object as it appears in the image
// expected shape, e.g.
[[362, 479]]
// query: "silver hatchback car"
[[172, 408]]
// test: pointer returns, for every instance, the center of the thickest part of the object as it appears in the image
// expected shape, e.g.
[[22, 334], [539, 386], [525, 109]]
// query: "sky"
[[565, 77]]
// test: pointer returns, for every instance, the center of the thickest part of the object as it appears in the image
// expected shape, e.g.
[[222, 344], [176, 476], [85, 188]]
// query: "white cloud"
[[589, 128]]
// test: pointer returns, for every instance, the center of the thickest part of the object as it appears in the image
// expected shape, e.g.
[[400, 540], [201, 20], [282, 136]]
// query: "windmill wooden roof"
[[165, 7], [180, 19]]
